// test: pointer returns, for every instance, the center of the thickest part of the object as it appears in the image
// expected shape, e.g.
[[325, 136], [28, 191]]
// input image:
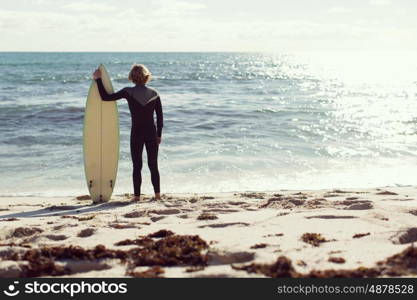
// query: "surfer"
[[143, 101]]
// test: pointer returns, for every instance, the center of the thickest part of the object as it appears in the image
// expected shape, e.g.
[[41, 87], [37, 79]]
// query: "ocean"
[[233, 121]]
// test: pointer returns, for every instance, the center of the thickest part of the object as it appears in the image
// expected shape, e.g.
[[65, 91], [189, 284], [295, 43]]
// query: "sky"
[[208, 25]]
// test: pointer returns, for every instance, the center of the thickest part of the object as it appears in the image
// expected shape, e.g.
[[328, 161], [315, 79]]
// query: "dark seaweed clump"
[[359, 235], [184, 250], [401, 264], [314, 239], [139, 242], [281, 268], [207, 216], [41, 261], [153, 272], [337, 260], [171, 251], [161, 234], [259, 246]]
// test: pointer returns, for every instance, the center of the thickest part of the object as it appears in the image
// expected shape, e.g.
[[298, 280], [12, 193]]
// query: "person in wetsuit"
[[143, 101]]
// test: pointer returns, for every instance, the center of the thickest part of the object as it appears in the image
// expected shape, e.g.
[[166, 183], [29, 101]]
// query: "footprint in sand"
[[59, 227], [207, 216], [122, 226], [227, 258], [156, 219], [115, 203], [360, 206], [86, 232], [283, 202], [356, 204], [330, 217], [56, 237], [237, 203], [409, 236], [135, 214], [86, 266], [24, 232], [222, 225], [219, 210], [253, 195], [387, 193], [173, 211]]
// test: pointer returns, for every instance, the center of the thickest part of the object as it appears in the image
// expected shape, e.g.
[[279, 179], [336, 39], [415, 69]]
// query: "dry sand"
[[240, 228]]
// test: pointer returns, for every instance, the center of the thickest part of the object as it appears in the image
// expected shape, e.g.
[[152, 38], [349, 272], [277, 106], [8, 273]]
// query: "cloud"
[[338, 10], [380, 2], [169, 8], [89, 7], [169, 25]]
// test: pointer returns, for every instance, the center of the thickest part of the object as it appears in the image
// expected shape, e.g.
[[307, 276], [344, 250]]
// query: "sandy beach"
[[322, 233]]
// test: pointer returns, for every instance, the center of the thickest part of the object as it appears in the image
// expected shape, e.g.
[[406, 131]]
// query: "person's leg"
[[136, 149], [152, 152]]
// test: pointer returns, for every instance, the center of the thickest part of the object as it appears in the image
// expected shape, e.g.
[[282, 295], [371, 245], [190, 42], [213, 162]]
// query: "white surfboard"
[[101, 141]]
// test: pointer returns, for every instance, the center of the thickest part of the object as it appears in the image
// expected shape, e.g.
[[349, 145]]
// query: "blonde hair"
[[139, 74]]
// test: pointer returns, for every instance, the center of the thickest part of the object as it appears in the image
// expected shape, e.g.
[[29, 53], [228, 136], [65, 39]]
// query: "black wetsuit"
[[143, 101]]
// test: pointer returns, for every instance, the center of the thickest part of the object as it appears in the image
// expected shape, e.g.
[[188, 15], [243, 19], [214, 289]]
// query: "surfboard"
[[101, 141]]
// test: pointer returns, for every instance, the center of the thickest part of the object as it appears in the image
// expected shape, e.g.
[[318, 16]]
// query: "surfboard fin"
[[111, 184], [90, 184]]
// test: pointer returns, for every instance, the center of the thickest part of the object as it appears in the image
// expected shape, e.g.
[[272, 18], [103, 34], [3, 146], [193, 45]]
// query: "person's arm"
[[110, 97], [159, 117]]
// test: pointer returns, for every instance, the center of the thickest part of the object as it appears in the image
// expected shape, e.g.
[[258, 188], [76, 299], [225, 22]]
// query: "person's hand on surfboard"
[[97, 74]]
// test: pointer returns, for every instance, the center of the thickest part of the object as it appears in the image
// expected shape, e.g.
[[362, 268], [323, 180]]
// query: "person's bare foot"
[[157, 196], [135, 199]]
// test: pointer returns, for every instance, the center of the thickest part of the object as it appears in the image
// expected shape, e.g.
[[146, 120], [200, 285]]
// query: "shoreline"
[[119, 194], [351, 228]]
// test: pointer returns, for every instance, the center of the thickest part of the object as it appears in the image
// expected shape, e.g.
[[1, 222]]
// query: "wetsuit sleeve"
[[110, 97], [159, 117]]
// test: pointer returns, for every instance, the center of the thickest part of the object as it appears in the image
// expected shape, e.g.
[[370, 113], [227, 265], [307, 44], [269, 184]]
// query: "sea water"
[[232, 121]]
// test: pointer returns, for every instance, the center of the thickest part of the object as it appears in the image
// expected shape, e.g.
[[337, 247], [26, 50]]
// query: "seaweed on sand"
[[41, 262], [171, 251], [337, 260], [184, 250], [314, 239], [259, 246], [161, 234], [138, 242], [282, 267], [401, 264], [153, 272], [360, 235], [207, 216]]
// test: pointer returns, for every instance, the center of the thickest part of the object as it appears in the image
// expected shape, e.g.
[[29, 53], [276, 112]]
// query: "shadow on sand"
[[64, 210]]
